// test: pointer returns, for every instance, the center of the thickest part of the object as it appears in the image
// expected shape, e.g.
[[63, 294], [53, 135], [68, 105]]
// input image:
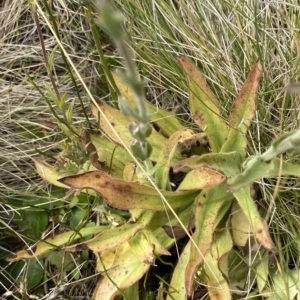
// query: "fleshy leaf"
[[116, 151], [228, 163], [201, 178], [114, 237], [177, 288], [256, 168], [165, 157], [144, 249], [262, 271], [123, 268], [258, 225], [286, 142], [217, 285], [127, 195], [120, 124], [204, 106], [242, 112], [48, 173], [285, 285], [49, 244], [207, 205], [241, 230], [166, 121]]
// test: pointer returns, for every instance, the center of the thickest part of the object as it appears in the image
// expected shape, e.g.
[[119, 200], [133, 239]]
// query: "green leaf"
[[69, 112], [33, 222], [116, 151], [286, 142], [256, 168], [204, 106], [52, 94], [242, 112], [33, 273], [77, 216], [285, 285], [141, 150], [228, 163], [62, 260], [62, 102], [51, 57]]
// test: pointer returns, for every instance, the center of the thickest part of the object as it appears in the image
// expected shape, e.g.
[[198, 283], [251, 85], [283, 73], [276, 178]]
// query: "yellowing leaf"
[[217, 285], [177, 288], [120, 124], [285, 285], [262, 271], [258, 225], [207, 205], [144, 249], [116, 151], [129, 173], [114, 237], [240, 227], [201, 178], [48, 173], [128, 195], [49, 244], [204, 106], [242, 112], [165, 157], [123, 268], [228, 163], [166, 121]]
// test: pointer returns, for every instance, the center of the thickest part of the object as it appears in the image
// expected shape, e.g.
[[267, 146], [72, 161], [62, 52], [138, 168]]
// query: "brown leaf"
[[127, 195]]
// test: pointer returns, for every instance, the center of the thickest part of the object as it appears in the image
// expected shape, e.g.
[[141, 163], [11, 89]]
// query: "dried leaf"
[[127, 195]]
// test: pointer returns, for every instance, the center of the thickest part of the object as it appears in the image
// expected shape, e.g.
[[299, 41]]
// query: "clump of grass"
[[223, 39]]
